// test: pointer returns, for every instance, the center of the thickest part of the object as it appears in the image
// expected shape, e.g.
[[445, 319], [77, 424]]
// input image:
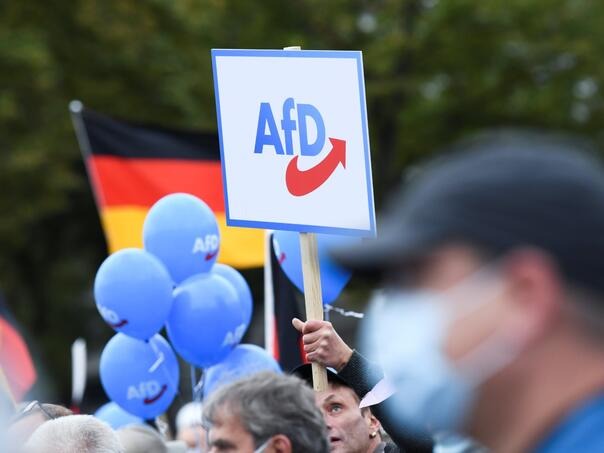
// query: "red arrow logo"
[[303, 182]]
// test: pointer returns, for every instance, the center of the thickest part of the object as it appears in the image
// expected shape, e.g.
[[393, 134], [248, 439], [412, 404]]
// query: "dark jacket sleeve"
[[362, 375]]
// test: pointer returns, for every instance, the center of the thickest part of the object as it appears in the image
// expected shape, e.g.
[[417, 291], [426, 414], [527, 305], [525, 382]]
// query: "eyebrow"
[[222, 443], [331, 397]]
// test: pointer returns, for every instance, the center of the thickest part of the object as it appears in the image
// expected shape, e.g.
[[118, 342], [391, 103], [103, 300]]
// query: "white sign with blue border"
[[294, 140]]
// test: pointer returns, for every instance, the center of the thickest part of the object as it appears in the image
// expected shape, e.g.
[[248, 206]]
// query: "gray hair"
[[74, 434], [268, 404], [138, 438]]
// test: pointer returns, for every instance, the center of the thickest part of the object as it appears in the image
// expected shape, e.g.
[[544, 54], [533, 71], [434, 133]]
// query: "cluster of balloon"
[[205, 307], [243, 360], [334, 278]]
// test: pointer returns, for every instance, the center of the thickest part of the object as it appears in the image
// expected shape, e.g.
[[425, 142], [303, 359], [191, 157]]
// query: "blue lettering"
[[310, 149], [288, 125], [262, 138]]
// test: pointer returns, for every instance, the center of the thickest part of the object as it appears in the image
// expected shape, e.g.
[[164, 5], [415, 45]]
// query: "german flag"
[[131, 166]]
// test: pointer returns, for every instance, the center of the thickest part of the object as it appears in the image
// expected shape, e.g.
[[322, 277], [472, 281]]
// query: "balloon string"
[[193, 381], [347, 313], [198, 389], [160, 359], [158, 362], [326, 312]]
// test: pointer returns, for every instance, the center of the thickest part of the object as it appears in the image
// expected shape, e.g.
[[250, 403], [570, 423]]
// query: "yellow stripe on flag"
[[239, 247]]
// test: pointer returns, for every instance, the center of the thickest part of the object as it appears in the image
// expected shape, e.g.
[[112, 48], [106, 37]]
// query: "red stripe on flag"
[[15, 361], [126, 181]]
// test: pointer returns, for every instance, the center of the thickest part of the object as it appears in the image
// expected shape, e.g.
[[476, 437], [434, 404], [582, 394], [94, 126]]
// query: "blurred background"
[[435, 70]]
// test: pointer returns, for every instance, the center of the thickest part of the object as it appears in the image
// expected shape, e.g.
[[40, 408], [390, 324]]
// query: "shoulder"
[[581, 430]]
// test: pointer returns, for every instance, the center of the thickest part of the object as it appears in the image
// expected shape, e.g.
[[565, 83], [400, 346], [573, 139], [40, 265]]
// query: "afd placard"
[[294, 140]]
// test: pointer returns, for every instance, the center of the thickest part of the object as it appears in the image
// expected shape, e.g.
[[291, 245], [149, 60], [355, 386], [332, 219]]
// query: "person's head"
[[141, 439], [349, 428], [266, 412], [189, 427], [74, 434], [29, 417], [493, 260]]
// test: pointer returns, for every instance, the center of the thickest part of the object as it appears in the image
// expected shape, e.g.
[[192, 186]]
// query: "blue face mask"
[[406, 331]]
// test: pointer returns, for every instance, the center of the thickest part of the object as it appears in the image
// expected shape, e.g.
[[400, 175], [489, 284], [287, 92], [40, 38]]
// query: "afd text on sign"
[[294, 140]]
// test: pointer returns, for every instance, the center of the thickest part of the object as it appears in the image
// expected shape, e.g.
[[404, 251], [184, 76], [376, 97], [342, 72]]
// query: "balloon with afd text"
[[140, 376], [206, 321], [181, 230], [133, 293]]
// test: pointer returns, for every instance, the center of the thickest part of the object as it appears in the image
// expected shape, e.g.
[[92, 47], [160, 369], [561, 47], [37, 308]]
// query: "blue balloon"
[[140, 376], [115, 416], [133, 293], [181, 230], [206, 320], [333, 277], [244, 360], [243, 290]]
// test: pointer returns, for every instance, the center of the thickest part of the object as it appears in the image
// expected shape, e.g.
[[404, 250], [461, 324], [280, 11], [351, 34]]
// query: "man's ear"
[[281, 444], [373, 423], [536, 292]]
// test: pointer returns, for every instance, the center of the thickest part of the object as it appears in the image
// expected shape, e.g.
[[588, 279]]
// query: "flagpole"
[[76, 108], [78, 372], [269, 297]]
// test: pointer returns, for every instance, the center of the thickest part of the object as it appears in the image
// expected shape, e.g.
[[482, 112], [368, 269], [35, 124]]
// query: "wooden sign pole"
[[312, 296]]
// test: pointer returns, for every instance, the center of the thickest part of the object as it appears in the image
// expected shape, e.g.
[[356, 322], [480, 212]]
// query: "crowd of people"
[[486, 331]]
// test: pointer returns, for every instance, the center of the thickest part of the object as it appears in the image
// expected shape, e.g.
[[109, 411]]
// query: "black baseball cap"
[[304, 372], [500, 190]]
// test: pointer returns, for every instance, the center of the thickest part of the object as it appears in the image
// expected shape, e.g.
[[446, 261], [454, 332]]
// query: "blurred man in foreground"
[[265, 413], [492, 317]]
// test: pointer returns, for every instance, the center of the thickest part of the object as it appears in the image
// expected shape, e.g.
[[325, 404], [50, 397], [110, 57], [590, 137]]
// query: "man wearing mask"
[[491, 318]]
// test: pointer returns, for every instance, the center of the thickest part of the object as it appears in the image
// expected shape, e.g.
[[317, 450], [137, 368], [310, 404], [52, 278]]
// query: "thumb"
[[298, 325]]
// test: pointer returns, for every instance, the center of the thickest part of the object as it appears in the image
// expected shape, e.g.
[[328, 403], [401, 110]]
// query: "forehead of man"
[[228, 432], [338, 391], [439, 268]]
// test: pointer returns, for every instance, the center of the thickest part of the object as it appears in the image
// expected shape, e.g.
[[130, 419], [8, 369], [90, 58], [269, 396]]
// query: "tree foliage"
[[435, 70]]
